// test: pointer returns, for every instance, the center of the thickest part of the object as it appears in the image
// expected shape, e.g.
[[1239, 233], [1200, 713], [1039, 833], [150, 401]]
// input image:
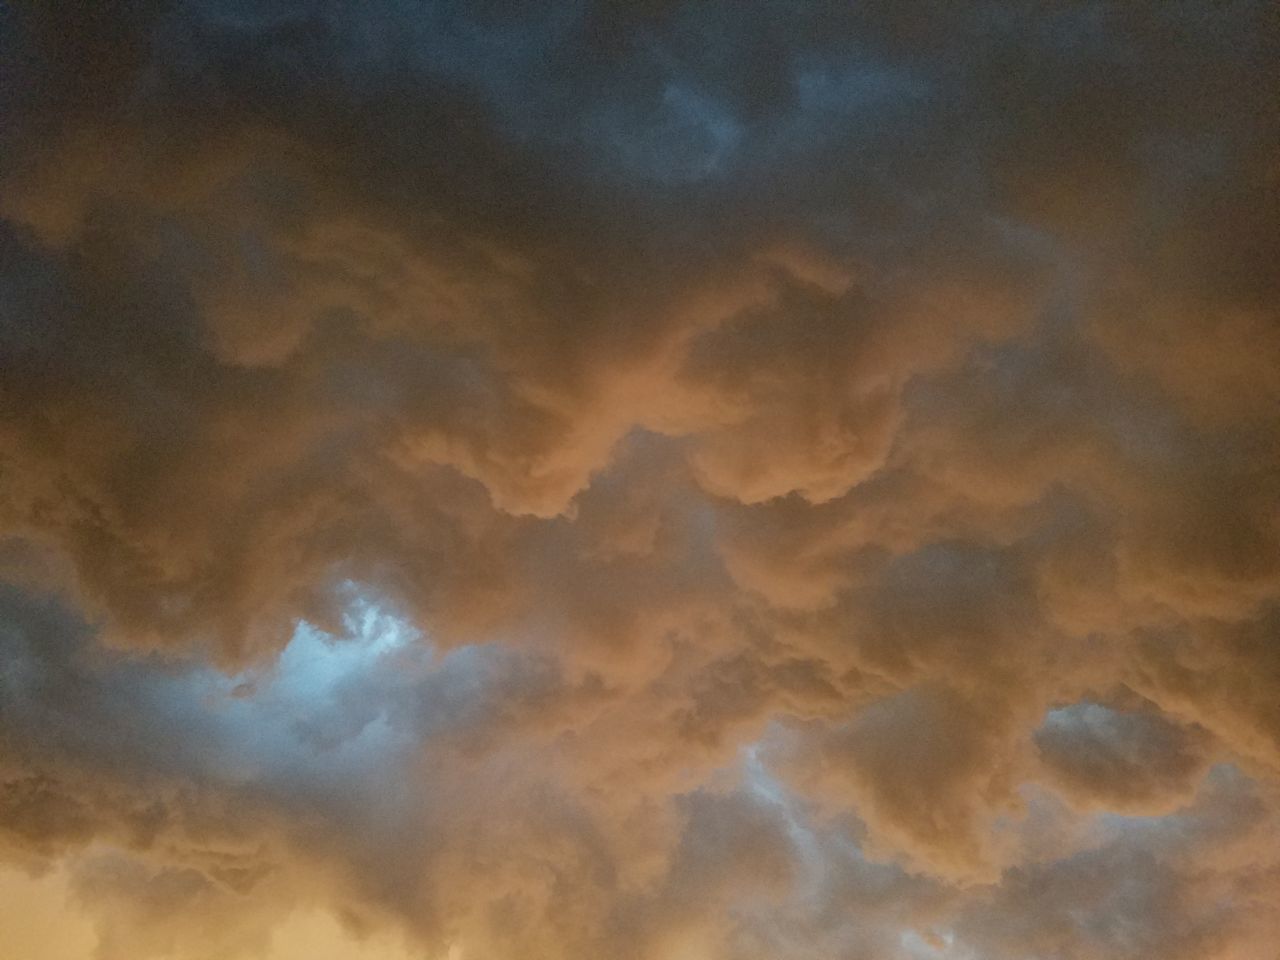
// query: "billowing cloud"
[[639, 480]]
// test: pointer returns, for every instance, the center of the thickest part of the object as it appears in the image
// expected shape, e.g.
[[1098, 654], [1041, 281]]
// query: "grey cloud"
[[754, 480]]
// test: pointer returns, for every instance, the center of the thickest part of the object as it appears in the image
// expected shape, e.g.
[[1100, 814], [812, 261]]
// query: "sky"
[[734, 480]]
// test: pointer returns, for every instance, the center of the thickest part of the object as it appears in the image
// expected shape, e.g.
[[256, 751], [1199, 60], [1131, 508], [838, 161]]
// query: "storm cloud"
[[723, 481]]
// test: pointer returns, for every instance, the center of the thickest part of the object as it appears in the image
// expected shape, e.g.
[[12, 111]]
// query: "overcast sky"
[[637, 480]]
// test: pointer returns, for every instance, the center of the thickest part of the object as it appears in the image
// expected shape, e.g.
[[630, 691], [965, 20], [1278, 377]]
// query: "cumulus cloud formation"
[[726, 481]]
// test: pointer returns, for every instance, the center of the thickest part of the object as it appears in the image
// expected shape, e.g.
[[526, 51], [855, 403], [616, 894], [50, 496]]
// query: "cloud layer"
[[715, 482]]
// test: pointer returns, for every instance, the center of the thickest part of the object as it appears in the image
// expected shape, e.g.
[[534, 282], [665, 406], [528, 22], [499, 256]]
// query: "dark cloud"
[[642, 480]]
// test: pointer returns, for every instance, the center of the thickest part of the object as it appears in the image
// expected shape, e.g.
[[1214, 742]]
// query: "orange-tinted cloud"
[[640, 480]]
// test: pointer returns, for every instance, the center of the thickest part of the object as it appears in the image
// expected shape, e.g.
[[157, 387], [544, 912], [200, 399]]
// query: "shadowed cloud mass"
[[647, 481]]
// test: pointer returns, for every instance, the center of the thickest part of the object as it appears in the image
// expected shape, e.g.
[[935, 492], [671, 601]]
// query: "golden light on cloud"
[[650, 481], [38, 920]]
